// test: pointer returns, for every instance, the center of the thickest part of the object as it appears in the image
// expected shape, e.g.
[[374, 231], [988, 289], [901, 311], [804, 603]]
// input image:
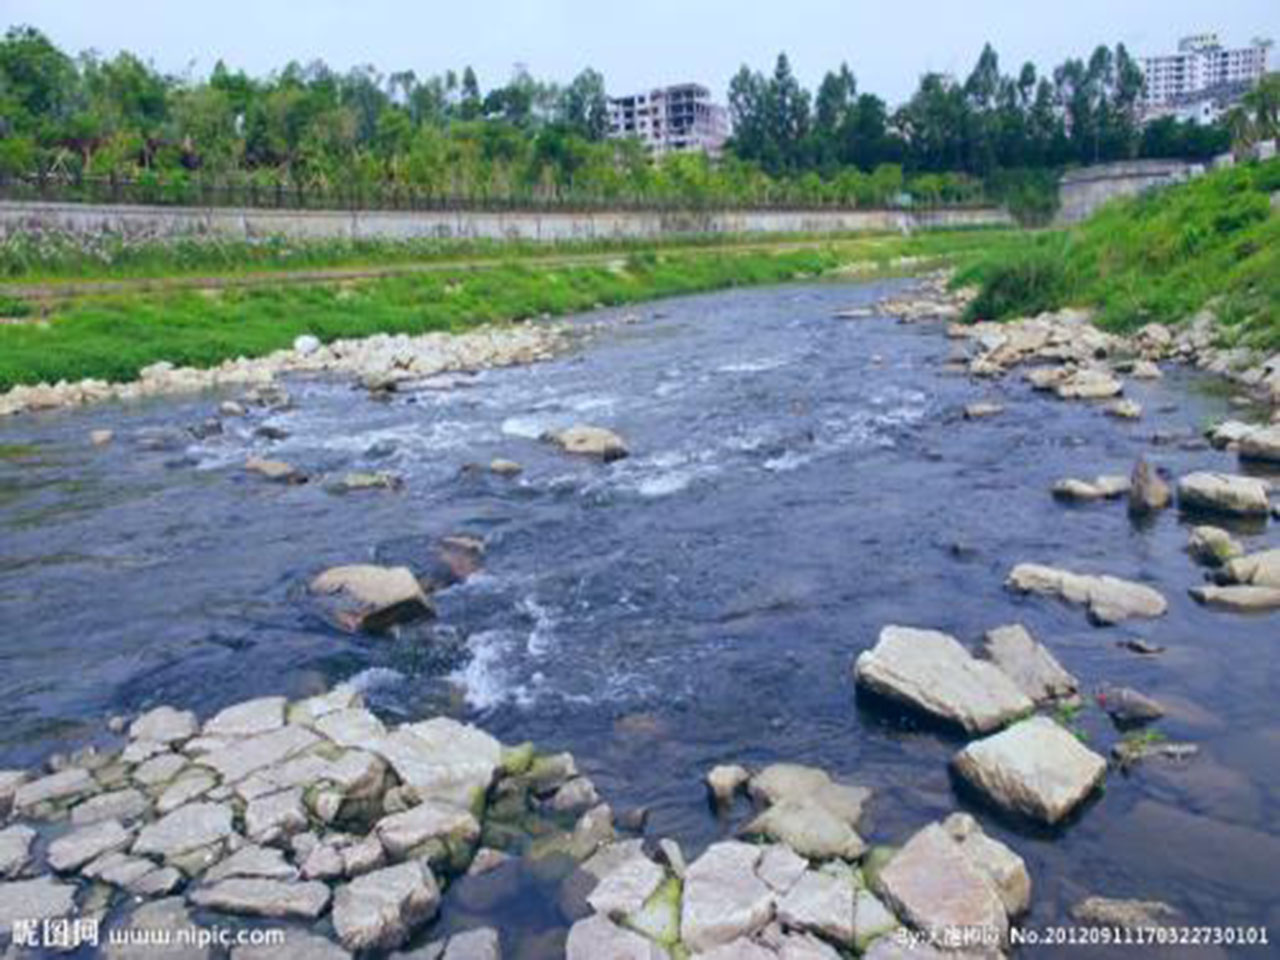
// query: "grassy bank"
[[113, 337], [49, 257], [1159, 257]]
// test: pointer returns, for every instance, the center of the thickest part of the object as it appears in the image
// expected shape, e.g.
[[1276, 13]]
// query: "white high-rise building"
[[1202, 79], [671, 119]]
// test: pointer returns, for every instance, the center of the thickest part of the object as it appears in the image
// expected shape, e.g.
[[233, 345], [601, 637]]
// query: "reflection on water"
[[703, 601]]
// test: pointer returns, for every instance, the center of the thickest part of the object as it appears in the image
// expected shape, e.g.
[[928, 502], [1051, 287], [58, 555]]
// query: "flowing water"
[[797, 482]]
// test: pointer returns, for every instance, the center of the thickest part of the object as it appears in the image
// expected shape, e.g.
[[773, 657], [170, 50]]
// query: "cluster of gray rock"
[[312, 812], [380, 362]]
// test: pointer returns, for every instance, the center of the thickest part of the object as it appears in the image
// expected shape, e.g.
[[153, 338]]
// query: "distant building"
[[671, 119], [1202, 80]]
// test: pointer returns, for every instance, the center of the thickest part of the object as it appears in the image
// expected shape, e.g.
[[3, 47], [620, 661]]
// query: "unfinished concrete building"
[[671, 119]]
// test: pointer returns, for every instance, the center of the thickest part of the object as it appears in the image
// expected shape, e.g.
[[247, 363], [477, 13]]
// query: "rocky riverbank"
[[317, 819], [379, 362]]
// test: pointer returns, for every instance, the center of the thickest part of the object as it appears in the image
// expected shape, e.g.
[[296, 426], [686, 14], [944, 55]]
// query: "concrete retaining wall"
[[143, 221], [1085, 190]]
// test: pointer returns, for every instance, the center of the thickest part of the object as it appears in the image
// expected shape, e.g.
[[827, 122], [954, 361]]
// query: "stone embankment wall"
[[1084, 190], [144, 221]]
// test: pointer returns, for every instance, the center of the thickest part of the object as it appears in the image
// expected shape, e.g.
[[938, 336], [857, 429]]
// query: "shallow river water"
[[796, 483]]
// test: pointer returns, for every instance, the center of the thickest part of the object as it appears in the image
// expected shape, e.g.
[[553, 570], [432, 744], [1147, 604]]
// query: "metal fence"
[[285, 195]]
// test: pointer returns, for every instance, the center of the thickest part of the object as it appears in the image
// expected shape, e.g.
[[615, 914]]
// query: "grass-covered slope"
[[1159, 257]]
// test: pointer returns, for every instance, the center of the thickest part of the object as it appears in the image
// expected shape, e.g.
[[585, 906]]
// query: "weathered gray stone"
[[723, 897], [1261, 444], [73, 850], [43, 898], [1238, 599], [308, 711], [15, 849], [726, 780], [187, 829], [932, 885], [372, 598], [61, 786], [258, 897], [597, 938], [1035, 768], [190, 786], [625, 889], [931, 672], [277, 471], [578, 794], [591, 442], [1108, 599], [123, 805], [1029, 664], [355, 727], [165, 725], [819, 903], [1004, 868], [379, 910], [443, 759], [241, 758], [809, 828], [10, 781], [401, 832], [1212, 546], [780, 867], [1148, 492], [871, 919], [267, 863], [479, 944], [247, 719], [276, 816], [1089, 383], [1260, 569], [1224, 493], [160, 769]]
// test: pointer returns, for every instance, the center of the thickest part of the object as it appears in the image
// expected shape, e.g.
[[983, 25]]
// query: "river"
[[796, 483]]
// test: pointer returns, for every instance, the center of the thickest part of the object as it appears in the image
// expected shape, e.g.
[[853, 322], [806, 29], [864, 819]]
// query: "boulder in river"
[[1029, 664], [1224, 493], [977, 411], [725, 780], [724, 899], [1260, 569], [591, 442], [934, 887], [1089, 383], [1263, 444], [373, 598], [1128, 707], [277, 471], [931, 672], [1212, 546], [1123, 409], [1104, 486], [1108, 599], [1034, 768], [380, 910], [1147, 490], [1238, 599]]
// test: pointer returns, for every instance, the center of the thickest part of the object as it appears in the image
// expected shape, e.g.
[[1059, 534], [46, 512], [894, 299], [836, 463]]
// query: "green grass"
[[33, 257], [1159, 257], [114, 337]]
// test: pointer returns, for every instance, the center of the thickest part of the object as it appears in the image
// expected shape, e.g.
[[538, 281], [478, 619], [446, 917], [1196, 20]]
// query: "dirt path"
[[51, 292]]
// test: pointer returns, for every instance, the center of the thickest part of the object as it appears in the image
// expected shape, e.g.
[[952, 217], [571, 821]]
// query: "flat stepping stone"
[[931, 672], [1034, 768]]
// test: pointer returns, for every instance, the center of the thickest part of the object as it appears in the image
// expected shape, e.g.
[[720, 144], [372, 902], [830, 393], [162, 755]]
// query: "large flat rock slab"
[[938, 890], [1224, 493], [188, 828], [931, 672], [723, 897], [1035, 768], [1028, 663], [1108, 599], [380, 910], [259, 897]]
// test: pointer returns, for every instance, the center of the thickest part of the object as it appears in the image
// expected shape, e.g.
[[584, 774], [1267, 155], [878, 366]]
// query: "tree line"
[[444, 135]]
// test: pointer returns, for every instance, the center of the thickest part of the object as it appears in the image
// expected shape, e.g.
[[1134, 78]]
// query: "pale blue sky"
[[639, 43]]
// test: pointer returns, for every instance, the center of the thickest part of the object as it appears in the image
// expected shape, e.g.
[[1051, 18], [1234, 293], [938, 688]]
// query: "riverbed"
[[796, 483]]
